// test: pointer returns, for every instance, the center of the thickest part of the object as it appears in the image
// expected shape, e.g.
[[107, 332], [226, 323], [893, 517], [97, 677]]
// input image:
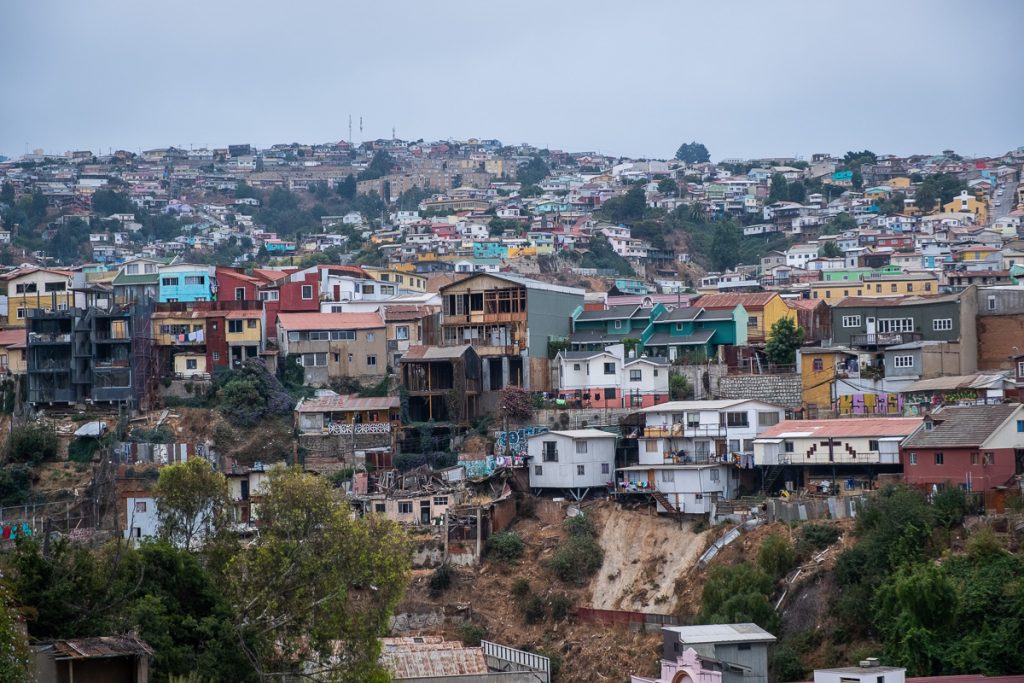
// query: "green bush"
[[580, 525], [82, 449], [505, 546], [819, 536], [15, 485], [32, 444], [521, 587], [471, 634], [561, 606], [577, 559], [533, 610], [776, 556], [441, 578], [737, 594]]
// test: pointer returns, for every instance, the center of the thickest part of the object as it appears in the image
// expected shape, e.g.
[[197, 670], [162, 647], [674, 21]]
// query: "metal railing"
[[529, 661], [884, 338]]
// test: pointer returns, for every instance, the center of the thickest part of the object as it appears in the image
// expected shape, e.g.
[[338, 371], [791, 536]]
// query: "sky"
[[747, 78]]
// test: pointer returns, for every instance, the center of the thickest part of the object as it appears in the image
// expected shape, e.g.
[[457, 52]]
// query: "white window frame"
[[895, 325], [942, 324], [581, 447], [903, 361], [851, 321]]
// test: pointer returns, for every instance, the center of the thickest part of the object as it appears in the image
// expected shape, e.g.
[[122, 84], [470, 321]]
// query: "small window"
[[239, 293], [651, 445], [371, 361], [903, 361], [609, 368], [550, 451], [939, 459], [440, 500], [668, 475], [988, 458], [752, 321], [538, 470], [851, 321], [609, 394], [140, 506], [743, 646], [818, 364], [872, 445], [1020, 425], [307, 292], [991, 303], [370, 336], [234, 326], [191, 364], [195, 279], [618, 324], [580, 470], [216, 355], [405, 507], [767, 418], [715, 475], [581, 447], [942, 324], [576, 367], [402, 332], [975, 457], [605, 468], [635, 375], [379, 507], [787, 446], [251, 323], [913, 458]]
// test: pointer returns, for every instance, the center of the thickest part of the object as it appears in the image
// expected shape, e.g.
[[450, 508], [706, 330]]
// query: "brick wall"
[[998, 335], [783, 390]]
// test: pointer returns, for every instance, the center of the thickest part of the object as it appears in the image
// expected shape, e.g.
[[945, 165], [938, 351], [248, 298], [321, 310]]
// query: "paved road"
[[1005, 200]]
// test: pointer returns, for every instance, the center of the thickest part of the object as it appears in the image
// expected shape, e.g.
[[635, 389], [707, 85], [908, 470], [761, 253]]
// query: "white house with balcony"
[[691, 452], [608, 379], [574, 460], [826, 455]]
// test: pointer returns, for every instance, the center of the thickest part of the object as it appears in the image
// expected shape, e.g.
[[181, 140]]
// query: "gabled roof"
[[14, 338], [967, 426], [610, 313], [666, 339], [748, 301], [347, 403]]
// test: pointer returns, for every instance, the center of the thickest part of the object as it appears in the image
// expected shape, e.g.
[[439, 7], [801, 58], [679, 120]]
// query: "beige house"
[[330, 346]]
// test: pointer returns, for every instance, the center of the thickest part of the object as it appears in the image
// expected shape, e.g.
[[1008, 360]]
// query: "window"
[[440, 500], [379, 507], [872, 445], [975, 457], [609, 368], [893, 287], [405, 507], [715, 474], [734, 445], [606, 468], [752, 321], [20, 313], [402, 332], [942, 324], [609, 394], [216, 355], [576, 367], [913, 458], [314, 360], [318, 335], [743, 646], [692, 420], [903, 361], [550, 451], [251, 323], [580, 470], [371, 361], [818, 364], [635, 375], [927, 286], [271, 295], [939, 459], [991, 303], [307, 292], [1020, 425], [169, 282], [618, 324], [195, 279], [54, 287], [581, 447], [27, 288], [989, 458], [655, 372], [787, 446], [651, 446], [239, 293], [851, 321], [140, 506], [668, 475], [895, 325], [370, 336], [343, 335], [767, 419], [736, 419], [538, 470], [191, 364], [234, 326]]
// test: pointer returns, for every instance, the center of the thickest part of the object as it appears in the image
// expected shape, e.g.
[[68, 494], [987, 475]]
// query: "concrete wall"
[[548, 315], [695, 374], [784, 390]]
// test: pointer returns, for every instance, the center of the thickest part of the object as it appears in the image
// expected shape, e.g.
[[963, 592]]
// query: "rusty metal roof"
[[432, 657], [331, 404], [101, 647]]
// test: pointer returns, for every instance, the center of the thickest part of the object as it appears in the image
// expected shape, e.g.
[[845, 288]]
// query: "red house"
[[234, 285], [975, 447]]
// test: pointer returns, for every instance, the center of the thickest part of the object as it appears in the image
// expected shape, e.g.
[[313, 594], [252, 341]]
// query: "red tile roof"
[[329, 321], [854, 427]]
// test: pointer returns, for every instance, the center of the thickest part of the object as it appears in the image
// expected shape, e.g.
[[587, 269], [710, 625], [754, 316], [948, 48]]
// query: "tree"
[[7, 193], [379, 166], [244, 190], [14, 652], [106, 202], [693, 153], [515, 404], [830, 249], [251, 393], [838, 224], [779, 190], [796, 191], [192, 500], [533, 171], [725, 247], [784, 339], [626, 208], [347, 187], [668, 186], [316, 590], [32, 444], [737, 594]]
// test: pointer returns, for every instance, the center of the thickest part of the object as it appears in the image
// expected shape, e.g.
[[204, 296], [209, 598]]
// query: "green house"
[[695, 334], [595, 330]]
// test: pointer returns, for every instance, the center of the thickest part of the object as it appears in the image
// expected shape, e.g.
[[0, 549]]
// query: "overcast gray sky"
[[747, 78]]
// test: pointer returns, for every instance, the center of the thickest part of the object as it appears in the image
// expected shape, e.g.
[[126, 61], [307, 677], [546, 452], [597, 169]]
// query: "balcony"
[[44, 338], [884, 338], [680, 430]]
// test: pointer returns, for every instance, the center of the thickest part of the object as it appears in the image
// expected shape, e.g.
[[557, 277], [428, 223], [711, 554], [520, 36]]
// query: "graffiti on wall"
[[869, 404], [514, 442]]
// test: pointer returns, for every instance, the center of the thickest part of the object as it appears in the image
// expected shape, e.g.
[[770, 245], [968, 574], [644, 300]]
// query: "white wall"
[[564, 473], [141, 524]]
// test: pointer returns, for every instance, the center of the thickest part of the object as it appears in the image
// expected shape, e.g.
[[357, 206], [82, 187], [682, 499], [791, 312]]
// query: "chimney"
[[869, 662]]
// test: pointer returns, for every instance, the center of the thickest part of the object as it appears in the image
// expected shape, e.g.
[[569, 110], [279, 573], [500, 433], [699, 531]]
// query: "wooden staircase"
[[663, 500]]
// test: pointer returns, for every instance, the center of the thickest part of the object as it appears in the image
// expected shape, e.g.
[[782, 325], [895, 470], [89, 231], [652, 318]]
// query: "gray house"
[[879, 323], [740, 649]]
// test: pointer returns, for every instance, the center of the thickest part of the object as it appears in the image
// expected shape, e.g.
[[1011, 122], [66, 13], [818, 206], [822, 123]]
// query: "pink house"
[[687, 668]]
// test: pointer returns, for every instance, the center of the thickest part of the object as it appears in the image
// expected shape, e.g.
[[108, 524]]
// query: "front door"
[[870, 325], [424, 512]]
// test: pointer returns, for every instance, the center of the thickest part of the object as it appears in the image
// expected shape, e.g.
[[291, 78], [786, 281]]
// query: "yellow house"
[[818, 372], [400, 275], [12, 351], [29, 288], [764, 309], [244, 334], [907, 284], [190, 364], [967, 203], [899, 183]]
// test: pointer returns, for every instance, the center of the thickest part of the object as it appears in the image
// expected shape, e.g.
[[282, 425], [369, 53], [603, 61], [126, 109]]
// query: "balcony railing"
[[884, 338], [39, 338], [681, 430]]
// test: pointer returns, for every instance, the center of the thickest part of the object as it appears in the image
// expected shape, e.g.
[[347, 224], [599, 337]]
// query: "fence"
[[131, 452], [805, 508], [525, 661], [635, 621]]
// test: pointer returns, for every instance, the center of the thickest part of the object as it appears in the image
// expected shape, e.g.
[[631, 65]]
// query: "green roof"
[[144, 279]]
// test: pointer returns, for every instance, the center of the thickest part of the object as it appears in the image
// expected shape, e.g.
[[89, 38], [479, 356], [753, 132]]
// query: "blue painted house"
[[490, 249], [695, 333], [187, 282]]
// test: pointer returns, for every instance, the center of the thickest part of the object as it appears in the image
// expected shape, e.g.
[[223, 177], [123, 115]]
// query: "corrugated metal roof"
[[329, 321], [434, 352], [855, 427], [431, 657], [101, 647], [330, 404], [748, 301], [961, 426], [722, 633]]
